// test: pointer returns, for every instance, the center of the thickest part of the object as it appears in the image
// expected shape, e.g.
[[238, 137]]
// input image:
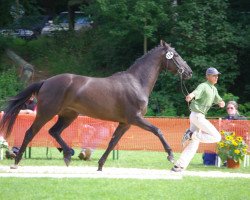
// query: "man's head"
[[212, 75]]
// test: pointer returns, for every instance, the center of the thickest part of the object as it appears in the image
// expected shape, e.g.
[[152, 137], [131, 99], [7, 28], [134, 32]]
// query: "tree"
[[5, 16], [205, 39], [200, 31], [146, 17], [126, 29], [204, 33], [240, 19]]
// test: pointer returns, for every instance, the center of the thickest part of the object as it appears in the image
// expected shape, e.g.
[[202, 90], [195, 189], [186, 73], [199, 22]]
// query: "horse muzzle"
[[187, 75]]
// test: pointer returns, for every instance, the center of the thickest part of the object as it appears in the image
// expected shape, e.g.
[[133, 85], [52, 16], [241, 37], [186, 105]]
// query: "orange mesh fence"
[[94, 133]]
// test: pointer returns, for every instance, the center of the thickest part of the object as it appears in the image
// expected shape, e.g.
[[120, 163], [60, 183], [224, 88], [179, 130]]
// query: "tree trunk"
[[145, 44], [71, 17], [26, 69], [145, 41]]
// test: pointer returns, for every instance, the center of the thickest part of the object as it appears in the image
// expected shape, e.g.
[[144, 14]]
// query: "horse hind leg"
[[119, 132], [29, 135], [64, 120], [38, 123]]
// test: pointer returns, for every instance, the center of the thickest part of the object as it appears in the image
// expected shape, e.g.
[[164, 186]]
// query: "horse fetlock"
[[18, 158], [170, 158]]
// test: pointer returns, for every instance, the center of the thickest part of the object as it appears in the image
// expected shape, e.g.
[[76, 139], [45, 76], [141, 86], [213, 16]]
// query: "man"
[[201, 130]]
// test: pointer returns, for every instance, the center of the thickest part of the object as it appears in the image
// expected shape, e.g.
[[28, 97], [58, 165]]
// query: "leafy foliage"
[[160, 105], [205, 33], [3, 143], [231, 147], [207, 40], [10, 85], [5, 12]]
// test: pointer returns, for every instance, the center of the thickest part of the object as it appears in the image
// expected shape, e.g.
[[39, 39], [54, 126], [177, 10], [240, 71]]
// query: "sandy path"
[[108, 172]]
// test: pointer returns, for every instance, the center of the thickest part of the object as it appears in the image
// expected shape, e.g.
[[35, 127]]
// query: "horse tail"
[[14, 105]]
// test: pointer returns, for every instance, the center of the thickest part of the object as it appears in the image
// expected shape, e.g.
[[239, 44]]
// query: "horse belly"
[[105, 100], [105, 110]]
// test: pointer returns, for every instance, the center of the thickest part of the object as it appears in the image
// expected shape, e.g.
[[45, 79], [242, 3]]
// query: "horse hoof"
[[67, 161], [99, 169], [171, 159], [13, 166]]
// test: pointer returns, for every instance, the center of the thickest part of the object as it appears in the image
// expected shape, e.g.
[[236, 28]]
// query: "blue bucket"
[[209, 158]]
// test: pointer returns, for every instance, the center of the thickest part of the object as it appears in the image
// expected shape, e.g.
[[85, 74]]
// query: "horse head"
[[174, 62]]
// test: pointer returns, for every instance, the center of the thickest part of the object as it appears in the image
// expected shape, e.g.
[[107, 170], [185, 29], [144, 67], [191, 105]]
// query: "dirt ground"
[[108, 172]]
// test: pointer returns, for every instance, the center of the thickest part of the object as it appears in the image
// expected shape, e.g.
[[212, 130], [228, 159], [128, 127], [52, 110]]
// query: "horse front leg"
[[119, 132], [144, 124], [55, 131]]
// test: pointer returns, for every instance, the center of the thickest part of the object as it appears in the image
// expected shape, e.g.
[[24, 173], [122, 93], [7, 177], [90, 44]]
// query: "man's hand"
[[189, 97], [221, 104]]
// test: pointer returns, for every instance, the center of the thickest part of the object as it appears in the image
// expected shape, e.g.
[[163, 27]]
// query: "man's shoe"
[[177, 169], [10, 154], [88, 153], [82, 155], [186, 137], [85, 154]]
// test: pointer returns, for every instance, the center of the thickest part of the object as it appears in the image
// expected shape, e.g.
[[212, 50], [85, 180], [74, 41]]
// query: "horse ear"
[[166, 45], [162, 43]]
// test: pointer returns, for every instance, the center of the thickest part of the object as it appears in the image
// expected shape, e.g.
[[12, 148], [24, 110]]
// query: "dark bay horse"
[[122, 97]]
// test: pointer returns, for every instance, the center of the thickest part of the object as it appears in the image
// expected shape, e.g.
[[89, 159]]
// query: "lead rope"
[[184, 89], [181, 71], [188, 103], [183, 86]]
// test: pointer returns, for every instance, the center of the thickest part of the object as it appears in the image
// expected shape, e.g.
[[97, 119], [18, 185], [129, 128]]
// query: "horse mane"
[[139, 60]]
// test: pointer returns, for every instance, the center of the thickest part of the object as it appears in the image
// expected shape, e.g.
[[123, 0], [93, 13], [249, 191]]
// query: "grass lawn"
[[63, 188]]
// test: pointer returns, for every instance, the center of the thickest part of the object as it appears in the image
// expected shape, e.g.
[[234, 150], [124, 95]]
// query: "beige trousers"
[[203, 131]]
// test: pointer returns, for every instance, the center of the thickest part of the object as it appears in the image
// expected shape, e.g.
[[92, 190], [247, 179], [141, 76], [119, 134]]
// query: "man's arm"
[[189, 97], [221, 104]]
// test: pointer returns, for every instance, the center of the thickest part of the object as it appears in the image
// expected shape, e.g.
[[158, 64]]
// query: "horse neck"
[[147, 69]]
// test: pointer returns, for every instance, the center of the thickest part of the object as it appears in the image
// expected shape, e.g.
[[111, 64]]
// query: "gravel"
[[109, 172]]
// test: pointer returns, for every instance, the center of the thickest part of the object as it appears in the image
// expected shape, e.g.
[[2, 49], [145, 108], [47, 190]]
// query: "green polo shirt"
[[206, 95]]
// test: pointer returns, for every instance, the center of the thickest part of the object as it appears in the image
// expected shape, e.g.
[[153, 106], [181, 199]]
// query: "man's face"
[[212, 78]]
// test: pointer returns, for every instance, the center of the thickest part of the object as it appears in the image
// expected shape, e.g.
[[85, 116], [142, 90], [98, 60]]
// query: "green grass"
[[131, 159], [64, 188], [187, 188]]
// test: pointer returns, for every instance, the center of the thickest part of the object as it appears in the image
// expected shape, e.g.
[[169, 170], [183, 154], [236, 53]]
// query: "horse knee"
[[52, 132]]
